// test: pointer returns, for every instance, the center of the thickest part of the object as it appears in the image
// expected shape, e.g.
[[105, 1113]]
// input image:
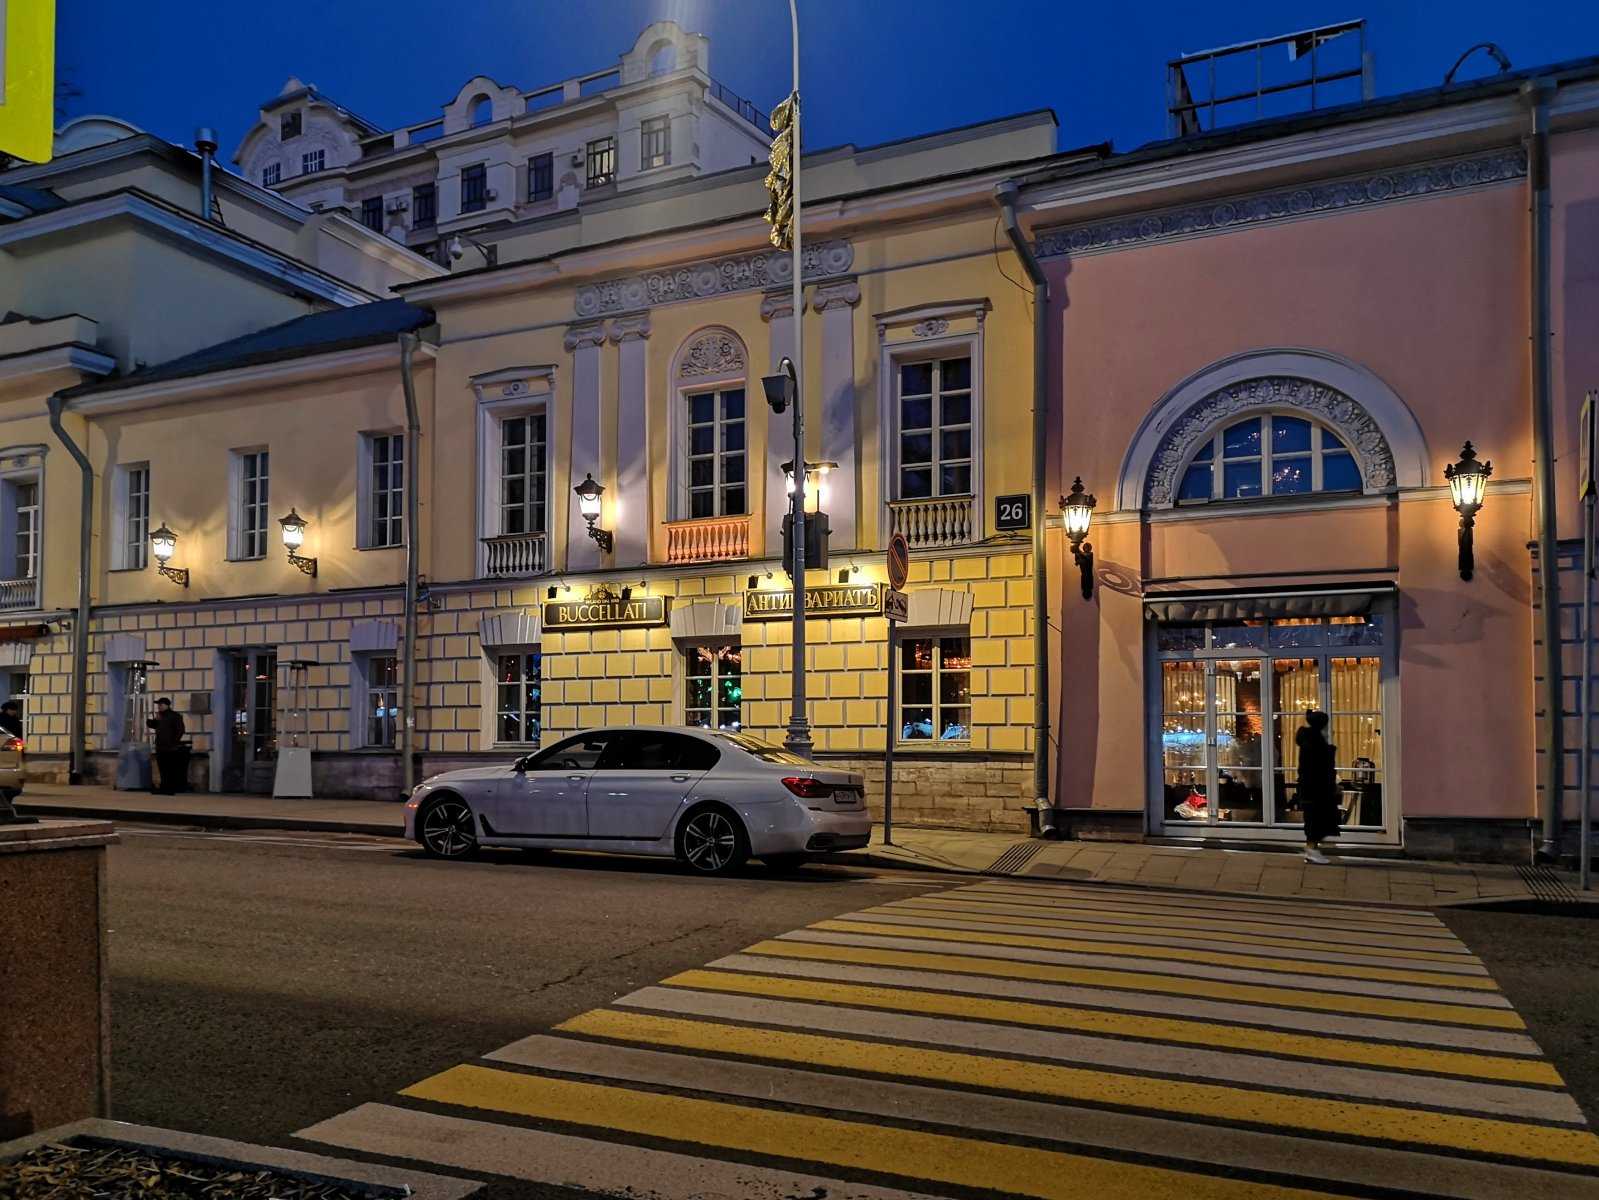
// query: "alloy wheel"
[[710, 842], [447, 829]]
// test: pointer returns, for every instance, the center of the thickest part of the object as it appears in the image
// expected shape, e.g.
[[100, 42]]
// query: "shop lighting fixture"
[[163, 543], [1468, 487], [293, 539], [588, 503], [1078, 507]]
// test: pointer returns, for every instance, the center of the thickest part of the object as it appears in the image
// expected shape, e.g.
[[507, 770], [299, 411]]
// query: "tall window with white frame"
[[540, 177], [385, 490], [523, 483], [713, 679], [271, 174], [518, 716], [601, 162], [135, 505], [935, 687], [381, 688], [25, 563], [655, 142], [935, 428], [312, 161], [715, 456], [252, 495]]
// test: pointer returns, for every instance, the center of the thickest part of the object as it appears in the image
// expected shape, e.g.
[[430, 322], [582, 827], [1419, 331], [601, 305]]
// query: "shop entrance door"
[[252, 730], [1231, 700]]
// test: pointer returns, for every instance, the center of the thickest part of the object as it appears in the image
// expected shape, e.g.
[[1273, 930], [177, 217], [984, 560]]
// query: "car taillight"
[[807, 788], [15, 743]]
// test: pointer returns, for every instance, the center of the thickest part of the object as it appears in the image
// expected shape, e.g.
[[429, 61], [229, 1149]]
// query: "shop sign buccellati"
[[604, 610], [852, 600]]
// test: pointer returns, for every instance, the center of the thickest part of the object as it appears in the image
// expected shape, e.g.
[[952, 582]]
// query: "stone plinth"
[[54, 988]]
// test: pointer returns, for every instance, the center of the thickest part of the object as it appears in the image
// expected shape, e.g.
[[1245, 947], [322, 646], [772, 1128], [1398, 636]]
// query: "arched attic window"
[[663, 58], [1269, 454], [482, 111]]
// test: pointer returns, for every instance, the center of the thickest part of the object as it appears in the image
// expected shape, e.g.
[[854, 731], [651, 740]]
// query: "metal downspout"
[[413, 549], [1007, 193], [1536, 93], [80, 635]]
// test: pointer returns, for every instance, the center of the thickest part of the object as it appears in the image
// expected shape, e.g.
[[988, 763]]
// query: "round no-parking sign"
[[899, 561]]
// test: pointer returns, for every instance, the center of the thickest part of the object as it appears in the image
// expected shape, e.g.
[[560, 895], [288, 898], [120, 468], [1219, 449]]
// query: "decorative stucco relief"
[[741, 272], [1344, 416], [1216, 216], [714, 352]]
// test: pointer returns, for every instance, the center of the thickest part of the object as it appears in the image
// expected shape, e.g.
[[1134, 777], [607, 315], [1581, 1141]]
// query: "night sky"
[[873, 70]]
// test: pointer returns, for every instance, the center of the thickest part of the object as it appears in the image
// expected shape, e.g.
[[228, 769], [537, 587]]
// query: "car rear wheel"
[[712, 841], [445, 828]]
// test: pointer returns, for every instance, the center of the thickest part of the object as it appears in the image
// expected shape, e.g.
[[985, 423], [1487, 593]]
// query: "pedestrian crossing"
[[1041, 1040]]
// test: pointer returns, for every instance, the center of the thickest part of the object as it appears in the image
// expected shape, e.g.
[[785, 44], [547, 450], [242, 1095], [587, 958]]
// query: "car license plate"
[[846, 798]]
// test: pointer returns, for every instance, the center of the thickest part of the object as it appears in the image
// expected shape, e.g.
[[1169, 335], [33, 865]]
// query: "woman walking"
[[1318, 788]]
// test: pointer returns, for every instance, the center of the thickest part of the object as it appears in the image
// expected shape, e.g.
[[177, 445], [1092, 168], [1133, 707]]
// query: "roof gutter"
[[1006, 193], [80, 633]]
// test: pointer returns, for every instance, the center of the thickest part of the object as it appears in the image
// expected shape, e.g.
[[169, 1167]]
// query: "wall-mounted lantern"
[[163, 543], [293, 539], [1078, 508], [588, 503], [1468, 486]]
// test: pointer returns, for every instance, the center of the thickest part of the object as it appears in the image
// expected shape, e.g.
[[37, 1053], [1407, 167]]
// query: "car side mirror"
[[520, 765]]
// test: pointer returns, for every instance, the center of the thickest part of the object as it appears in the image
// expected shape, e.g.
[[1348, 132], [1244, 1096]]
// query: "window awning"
[[1256, 604], [23, 633]]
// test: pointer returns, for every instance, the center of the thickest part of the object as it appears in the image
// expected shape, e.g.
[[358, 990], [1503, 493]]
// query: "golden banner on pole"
[[27, 78]]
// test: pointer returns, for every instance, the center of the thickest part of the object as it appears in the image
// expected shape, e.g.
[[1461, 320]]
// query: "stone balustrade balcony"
[[18, 594], [934, 522], [512, 554], [708, 539]]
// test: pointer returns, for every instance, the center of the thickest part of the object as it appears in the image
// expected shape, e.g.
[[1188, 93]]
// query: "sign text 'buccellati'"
[[589, 614]]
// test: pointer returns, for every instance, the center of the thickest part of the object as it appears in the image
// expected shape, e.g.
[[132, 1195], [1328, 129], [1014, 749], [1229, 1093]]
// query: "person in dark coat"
[[11, 719], [169, 731], [1318, 785]]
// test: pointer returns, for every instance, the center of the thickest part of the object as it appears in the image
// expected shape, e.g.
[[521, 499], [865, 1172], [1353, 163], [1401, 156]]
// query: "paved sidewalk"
[[1249, 872]]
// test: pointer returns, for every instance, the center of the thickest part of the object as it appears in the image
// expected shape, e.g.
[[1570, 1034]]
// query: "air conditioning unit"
[[398, 205], [577, 159], [490, 194]]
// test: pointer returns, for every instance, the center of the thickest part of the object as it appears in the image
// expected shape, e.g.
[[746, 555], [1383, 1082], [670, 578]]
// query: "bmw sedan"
[[708, 797]]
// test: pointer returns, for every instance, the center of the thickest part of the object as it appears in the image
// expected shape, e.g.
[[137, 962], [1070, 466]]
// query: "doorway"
[[251, 735], [1230, 697]]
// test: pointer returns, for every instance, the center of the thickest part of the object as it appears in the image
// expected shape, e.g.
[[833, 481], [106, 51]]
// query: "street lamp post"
[[798, 739]]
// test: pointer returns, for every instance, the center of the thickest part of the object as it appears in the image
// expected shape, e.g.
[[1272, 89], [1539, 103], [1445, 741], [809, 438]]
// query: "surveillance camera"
[[456, 250]]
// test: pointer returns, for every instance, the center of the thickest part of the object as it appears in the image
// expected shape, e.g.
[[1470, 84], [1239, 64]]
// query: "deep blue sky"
[[873, 70]]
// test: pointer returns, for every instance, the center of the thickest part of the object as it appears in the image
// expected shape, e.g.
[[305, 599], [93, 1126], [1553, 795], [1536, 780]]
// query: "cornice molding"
[[1244, 210], [69, 357], [203, 235], [509, 383], [715, 277]]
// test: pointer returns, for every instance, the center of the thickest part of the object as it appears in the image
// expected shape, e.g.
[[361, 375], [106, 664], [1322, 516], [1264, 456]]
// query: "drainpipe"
[[1006, 194], [80, 638], [413, 434], [205, 141], [1536, 93]]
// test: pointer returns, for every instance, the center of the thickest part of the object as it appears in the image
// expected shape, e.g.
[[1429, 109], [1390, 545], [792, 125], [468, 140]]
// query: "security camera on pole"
[[783, 214]]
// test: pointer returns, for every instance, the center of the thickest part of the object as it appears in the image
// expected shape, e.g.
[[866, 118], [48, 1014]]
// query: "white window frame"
[[684, 505], [130, 517], [366, 496], [239, 549], [597, 148], [548, 158], [935, 674], [363, 686], [492, 656], [657, 129], [25, 527], [715, 648], [512, 392], [317, 157], [899, 344], [1315, 455], [272, 174]]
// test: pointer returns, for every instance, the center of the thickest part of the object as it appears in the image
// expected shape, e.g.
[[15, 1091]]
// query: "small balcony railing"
[[514, 554], [708, 539], [933, 522], [19, 594]]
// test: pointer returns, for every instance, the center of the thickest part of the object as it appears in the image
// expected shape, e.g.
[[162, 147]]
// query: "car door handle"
[[680, 779], [575, 778]]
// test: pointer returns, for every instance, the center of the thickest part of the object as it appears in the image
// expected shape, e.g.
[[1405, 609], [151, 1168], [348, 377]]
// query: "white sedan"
[[710, 798]]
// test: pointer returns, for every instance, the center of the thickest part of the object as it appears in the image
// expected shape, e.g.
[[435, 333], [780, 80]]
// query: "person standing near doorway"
[[11, 719], [169, 731], [1318, 785]]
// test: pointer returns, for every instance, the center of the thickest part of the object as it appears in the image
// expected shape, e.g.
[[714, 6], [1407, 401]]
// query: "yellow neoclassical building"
[[622, 342]]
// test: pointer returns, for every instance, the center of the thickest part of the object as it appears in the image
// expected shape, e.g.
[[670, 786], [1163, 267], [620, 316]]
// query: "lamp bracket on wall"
[[307, 565], [178, 575]]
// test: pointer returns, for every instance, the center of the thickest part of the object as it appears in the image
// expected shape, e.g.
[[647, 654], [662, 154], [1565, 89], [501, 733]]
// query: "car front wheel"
[[712, 842], [445, 828]]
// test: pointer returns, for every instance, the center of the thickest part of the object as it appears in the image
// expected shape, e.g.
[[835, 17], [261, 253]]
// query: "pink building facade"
[[1265, 347]]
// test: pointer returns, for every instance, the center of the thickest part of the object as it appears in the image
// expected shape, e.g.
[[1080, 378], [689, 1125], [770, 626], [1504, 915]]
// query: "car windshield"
[[764, 751]]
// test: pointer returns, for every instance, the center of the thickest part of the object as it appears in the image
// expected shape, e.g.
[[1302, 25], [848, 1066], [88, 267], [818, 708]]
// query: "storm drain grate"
[[1013, 860], [1544, 884]]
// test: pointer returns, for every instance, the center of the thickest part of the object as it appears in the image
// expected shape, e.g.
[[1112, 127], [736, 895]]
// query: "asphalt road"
[[262, 983]]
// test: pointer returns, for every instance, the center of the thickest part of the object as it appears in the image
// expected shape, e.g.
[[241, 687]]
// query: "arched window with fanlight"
[[1270, 454]]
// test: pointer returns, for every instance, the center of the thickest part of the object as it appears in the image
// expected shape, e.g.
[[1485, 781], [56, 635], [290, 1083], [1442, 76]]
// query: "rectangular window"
[[132, 500], [935, 688], [713, 695], [540, 177], [251, 496], [474, 187], [935, 428], [522, 474], [601, 161], [311, 162], [17, 689], [25, 560], [715, 454], [288, 126], [424, 206], [271, 174], [384, 485], [655, 142], [372, 213], [517, 681], [380, 686]]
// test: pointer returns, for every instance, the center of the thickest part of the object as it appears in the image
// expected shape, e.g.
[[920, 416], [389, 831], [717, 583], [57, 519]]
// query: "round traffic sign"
[[899, 561]]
